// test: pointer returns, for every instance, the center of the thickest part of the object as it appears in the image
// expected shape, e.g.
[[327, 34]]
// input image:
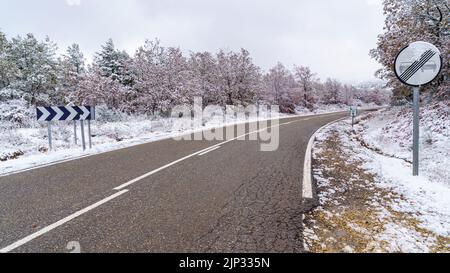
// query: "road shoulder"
[[359, 209]]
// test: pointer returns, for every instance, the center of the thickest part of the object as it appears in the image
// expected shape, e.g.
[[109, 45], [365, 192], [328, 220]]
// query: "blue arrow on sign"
[[79, 112], [39, 113], [52, 114], [66, 113]]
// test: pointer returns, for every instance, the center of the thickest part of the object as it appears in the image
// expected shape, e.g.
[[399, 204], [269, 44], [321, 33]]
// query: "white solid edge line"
[[307, 168], [59, 223], [148, 142], [209, 151]]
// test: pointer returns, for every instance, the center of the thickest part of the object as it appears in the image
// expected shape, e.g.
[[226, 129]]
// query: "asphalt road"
[[233, 199]]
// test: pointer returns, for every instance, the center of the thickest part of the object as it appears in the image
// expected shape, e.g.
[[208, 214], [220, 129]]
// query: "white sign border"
[[413, 85]]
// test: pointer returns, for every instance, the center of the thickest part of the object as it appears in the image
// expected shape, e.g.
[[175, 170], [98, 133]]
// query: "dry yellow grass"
[[353, 211]]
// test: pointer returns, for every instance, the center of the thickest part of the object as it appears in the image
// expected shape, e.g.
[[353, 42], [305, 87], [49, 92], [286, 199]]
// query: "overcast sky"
[[332, 37]]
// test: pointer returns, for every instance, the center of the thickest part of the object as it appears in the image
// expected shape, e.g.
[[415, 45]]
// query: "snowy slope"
[[391, 132]]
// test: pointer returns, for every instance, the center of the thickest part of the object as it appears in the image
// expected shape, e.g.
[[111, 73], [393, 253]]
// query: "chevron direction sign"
[[65, 113]]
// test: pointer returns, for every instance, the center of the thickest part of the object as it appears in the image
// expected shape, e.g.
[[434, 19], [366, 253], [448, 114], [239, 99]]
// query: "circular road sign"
[[418, 64]]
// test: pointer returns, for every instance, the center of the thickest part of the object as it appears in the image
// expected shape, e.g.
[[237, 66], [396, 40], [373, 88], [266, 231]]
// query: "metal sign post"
[[353, 121], [416, 129], [354, 114], [83, 140], [68, 113], [90, 134], [50, 135], [75, 131], [416, 65]]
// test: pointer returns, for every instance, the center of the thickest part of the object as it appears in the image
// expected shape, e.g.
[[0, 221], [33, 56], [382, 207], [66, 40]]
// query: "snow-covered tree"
[[162, 78], [75, 59], [114, 64], [239, 78], [377, 96], [158, 78], [348, 94], [408, 21], [179, 78], [95, 89], [8, 68], [372, 92], [332, 91], [146, 66], [306, 79], [205, 68], [71, 70], [248, 79], [279, 84], [36, 62]]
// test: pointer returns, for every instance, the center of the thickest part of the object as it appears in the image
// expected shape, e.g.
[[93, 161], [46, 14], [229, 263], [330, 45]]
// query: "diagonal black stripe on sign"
[[414, 65], [425, 58], [417, 66], [422, 63]]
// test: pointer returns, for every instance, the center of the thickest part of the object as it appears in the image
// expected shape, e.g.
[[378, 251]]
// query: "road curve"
[[234, 198]]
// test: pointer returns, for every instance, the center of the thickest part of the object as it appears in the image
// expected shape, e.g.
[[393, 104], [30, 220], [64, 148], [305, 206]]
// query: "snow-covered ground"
[[391, 132], [426, 196], [411, 214], [24, 142]]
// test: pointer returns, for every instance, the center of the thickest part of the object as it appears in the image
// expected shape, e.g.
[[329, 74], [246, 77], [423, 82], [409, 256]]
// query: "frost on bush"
[[105, 114], [12, 140], [16, 113], [10, 94], [63, 132], [115, 131], [4, 156], [428, 136]]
